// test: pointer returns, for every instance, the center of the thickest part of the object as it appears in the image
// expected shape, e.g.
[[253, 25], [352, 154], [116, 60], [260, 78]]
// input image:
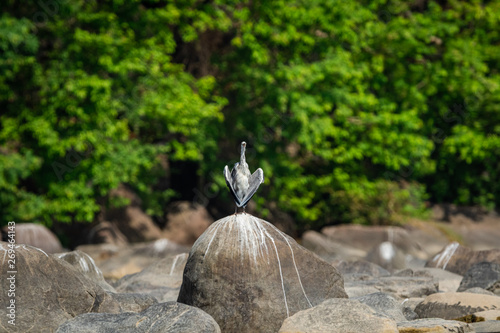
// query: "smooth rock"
[[161, 280], [362, 267], [459, 259], [328, 249], [38, 236], [434, 325], [367, 238], [490, 326], [484, 275], [49, 291], [455, 305], [249, 276], [383, 304], [186, 221], [87, 266], [338, 315], [169, 317]]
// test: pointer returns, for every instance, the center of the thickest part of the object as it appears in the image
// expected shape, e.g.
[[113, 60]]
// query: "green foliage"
[[91, 99], [358, 111]]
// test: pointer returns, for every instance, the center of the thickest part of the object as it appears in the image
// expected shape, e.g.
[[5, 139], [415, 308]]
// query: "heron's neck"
[[242, 157]]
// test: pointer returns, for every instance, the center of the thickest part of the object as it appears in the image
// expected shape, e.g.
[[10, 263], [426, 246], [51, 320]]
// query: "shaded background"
[[358, 112]]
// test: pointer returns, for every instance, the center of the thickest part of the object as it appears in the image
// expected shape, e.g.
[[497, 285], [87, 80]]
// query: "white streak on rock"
[[174, 263], [84, 265], [281, 273], [445, 256], [294, 264]]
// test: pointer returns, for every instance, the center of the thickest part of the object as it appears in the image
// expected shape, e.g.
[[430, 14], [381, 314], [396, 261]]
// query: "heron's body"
[[241, 182]]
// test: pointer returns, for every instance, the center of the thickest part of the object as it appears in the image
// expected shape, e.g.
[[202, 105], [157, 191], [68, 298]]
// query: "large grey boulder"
[[339, 315], [161, 280], [459, 259], [249, 276], [455, 305], [48, 292], [168, 317], [328, 249], [484, 275]]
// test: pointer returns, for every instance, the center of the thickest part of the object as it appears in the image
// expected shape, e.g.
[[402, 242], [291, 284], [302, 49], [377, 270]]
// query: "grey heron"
[[241, 183]]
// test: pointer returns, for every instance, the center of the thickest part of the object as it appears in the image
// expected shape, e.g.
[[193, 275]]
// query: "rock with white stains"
[[161, 280], [86, 265], [459, 259], [249, 276]]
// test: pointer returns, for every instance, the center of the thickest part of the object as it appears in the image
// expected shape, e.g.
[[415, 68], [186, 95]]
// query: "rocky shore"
[[244, 275]]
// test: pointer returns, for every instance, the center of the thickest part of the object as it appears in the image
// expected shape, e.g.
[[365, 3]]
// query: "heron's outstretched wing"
[[254, 182], [229, 182]]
